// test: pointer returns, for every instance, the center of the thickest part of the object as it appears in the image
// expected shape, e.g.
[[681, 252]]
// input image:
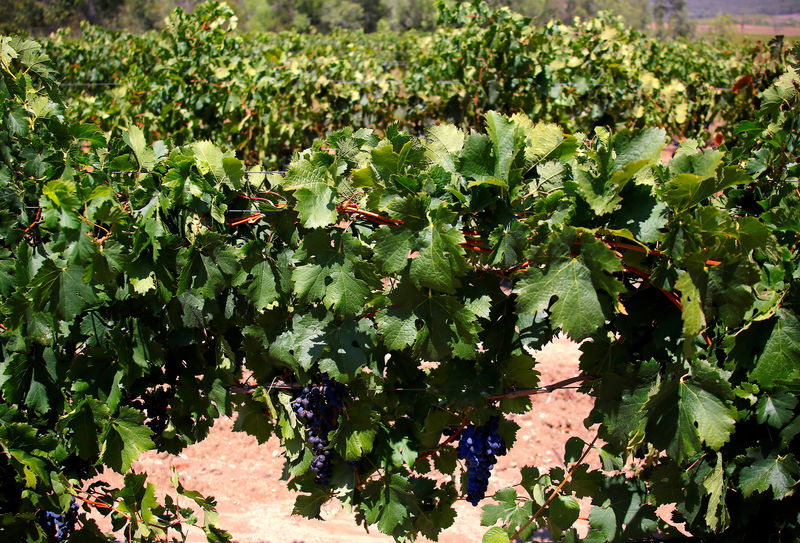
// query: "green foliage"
[[70, 406], [418, 270], [200, 80]]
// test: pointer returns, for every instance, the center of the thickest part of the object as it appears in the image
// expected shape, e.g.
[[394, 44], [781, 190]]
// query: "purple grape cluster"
[[59, 526], [318, 408], [480, 446]]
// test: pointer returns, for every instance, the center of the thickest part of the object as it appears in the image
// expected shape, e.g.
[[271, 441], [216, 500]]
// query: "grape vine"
[[411, 277]]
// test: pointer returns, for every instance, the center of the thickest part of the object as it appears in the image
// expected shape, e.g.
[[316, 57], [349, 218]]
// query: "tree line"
[[40, 17]]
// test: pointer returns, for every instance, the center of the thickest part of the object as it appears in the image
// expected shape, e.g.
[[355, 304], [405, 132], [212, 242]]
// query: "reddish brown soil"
[[255, 505]]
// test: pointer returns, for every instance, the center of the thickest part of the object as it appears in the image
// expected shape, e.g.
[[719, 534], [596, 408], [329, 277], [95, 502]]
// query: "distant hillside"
[[711, 8]]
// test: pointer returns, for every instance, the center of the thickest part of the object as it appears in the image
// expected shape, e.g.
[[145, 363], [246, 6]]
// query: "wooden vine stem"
[[555, 492], [449, 440], [545, 389]]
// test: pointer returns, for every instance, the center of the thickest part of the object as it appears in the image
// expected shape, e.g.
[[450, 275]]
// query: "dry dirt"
[[255, 505]]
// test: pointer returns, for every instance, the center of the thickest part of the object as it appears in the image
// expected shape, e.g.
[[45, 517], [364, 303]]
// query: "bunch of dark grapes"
[[480, 446], [318, 408], [59, 526]]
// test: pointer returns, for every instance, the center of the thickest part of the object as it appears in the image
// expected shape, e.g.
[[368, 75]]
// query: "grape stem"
[[555, 492], [448, 440], [545, 389]]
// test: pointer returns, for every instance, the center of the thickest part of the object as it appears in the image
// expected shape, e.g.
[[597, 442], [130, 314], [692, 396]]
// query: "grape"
[[318, 408], [480, 446], [59, 526]]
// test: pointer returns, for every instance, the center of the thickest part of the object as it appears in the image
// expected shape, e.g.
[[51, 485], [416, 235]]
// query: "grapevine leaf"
[[694, 321], [780, 359], [329, 272], [640, 149], [134, 137], [262, 290], [690, 159], [310, 505], [126, 438], [620, 404], [391, 249], [476, 158], [541, 140], [683, 415], [714, 421], [397, 328], [603, 524], [302, 344], [495, 535], [717, 516], [602, 262], [386, 162], [434, 324], [346, 346], [62, 288], [563, 513], [577, 309], [443, 142], [83, 423], [30, 381], [508, 244], [783, 90], [778, 472], [776, 409], [345, 294], [316, 206], [441, 258], [506, 509], [397, 492], [209, 159], [502, 132], [17, 121]]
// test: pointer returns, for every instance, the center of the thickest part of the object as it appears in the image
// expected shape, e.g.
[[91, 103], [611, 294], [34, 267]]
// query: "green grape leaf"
[[310, 505], [125, 439], [145, 155], [508, 244], [444, 141], [717, 516], [776, 409], [564, 511], [345, 294], [682, 416], [503, 134], [577, 309], [495, 535], [778, 472], [441, 258], [316, 206], [780, 359], [328, 272], [62, 288], [263, 289], [694, 320], [392, 248], [209, 159]]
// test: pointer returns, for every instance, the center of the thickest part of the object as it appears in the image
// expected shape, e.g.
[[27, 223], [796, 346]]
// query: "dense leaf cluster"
[[421, 272], [267, 95]]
